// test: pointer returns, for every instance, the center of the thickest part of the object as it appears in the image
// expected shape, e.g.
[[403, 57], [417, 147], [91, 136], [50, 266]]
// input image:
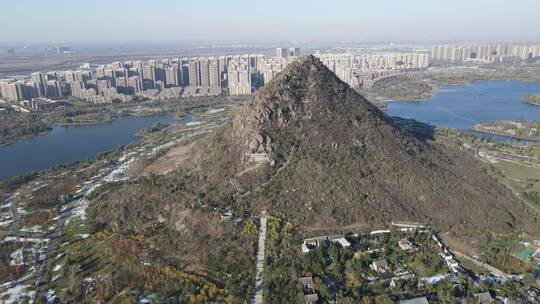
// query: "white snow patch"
[[16, 294], [23, 239], [51, 297], [435, 279], [79, 211], [213, 111], [57, 267], [35, 228], [17, 257], [6, 223], [487, 157], [39, 187]]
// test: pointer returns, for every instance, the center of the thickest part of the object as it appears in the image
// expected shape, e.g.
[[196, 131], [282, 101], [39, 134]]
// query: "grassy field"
[[472, 266], [520, 174]]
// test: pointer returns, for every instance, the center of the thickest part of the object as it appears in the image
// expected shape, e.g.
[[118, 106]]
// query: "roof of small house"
[[484, 297], [420, 300], [306, 280], [311, 298], [381, 263]]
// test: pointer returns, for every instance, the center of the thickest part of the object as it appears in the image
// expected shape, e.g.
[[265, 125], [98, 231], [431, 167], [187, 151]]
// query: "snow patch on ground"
[[79, 211], [17, 257], [39, 187], [6, 223], [159, 148], [57, 267], [435, 279], [17, 294], [487, 157], [23, 239], [116, 174], [34, 229], [51, 297], [214, 111]]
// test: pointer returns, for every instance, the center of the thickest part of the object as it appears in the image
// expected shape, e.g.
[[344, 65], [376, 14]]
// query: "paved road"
[[258, 298], [494, 270]]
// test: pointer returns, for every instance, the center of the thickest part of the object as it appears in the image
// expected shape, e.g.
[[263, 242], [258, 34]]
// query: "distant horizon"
[[255, 43], [341, 21]]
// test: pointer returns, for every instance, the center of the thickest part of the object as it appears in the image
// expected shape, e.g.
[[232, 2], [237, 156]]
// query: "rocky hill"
[[309, 147]]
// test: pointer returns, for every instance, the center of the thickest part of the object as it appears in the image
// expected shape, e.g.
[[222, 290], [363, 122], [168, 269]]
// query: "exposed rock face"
[[339, 160]]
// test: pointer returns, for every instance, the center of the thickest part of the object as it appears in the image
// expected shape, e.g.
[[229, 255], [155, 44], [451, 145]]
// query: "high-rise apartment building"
[[294, 51], [41, 80], [215, 75], [194, 78], [281, 53], [204, 66], [172, 77]]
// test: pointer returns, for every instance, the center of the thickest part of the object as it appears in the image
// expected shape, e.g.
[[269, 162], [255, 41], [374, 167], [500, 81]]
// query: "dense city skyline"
[[241, 20]]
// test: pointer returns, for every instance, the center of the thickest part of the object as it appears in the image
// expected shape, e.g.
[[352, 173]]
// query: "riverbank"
[[15, 127], [67, 124], [22, 138]]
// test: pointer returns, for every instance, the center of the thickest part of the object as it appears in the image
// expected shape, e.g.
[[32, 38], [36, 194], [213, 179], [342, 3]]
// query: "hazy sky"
[[276, 20]]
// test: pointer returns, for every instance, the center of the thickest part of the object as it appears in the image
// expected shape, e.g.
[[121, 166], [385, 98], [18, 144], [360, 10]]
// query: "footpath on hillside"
[[258, 297]]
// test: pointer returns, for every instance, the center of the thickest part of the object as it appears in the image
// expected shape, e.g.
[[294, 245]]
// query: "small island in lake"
[[532, 99], [521, 129]]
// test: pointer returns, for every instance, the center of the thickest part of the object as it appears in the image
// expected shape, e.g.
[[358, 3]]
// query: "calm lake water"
[[66, 144], [461, 106]]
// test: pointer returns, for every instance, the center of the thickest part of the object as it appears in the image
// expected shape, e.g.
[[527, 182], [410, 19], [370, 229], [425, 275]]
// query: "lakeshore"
[[481, 129]]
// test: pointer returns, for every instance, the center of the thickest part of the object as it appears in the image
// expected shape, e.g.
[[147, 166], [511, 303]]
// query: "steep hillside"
[[309, 147]]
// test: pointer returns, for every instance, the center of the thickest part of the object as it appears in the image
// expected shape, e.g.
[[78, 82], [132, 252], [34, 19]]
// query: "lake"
[[461, 106], [66, 144]]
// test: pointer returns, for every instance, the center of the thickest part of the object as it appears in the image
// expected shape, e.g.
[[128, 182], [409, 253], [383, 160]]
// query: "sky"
[[267, 21]]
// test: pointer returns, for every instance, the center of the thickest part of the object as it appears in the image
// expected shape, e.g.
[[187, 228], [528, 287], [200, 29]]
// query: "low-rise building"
[[311, 298], [310, 243], [306, 282], [380, 266], [484, 298], [405, 245]]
